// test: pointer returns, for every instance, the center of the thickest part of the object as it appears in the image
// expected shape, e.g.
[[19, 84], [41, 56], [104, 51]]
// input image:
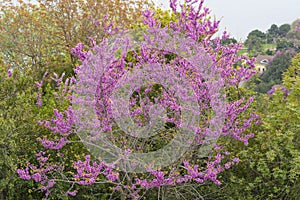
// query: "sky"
[[239, 17]]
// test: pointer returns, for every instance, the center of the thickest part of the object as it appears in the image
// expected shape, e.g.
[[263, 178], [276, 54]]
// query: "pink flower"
[[37, 177], [71, 193], [24, 173], [9, 73]]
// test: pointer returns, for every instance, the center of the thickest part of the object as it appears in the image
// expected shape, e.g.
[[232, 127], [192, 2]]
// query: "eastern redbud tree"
[[150, 106]]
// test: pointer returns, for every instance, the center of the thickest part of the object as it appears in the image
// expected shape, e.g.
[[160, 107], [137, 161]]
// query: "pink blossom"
[[24, 173]]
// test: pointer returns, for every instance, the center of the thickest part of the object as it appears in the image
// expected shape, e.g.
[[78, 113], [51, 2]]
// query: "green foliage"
[[254, 44], [273, 31], [284, 29], [257, 33], [18, 133], [283, 44], [255, 41], [228, 41], [272, 159], [165, 17], [284, 37], [273, 74], [270, 165]]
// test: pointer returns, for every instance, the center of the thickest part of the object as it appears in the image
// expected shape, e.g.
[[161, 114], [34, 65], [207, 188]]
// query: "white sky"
[[239, 17]]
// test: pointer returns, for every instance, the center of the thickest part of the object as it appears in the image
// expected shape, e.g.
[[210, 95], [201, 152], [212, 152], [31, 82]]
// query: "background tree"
[[284, 29], [273, 33], [40, 35], [255, 41], [254, 44], [257, 33]]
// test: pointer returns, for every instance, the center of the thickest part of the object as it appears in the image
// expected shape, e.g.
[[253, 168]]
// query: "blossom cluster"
[[40, 174]]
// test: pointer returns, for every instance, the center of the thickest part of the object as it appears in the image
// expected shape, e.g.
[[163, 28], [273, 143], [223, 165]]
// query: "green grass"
[[269, 46], [243, 51]]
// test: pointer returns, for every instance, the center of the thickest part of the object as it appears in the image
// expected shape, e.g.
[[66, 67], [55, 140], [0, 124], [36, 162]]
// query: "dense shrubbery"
[[269, 167], [273, 74]]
